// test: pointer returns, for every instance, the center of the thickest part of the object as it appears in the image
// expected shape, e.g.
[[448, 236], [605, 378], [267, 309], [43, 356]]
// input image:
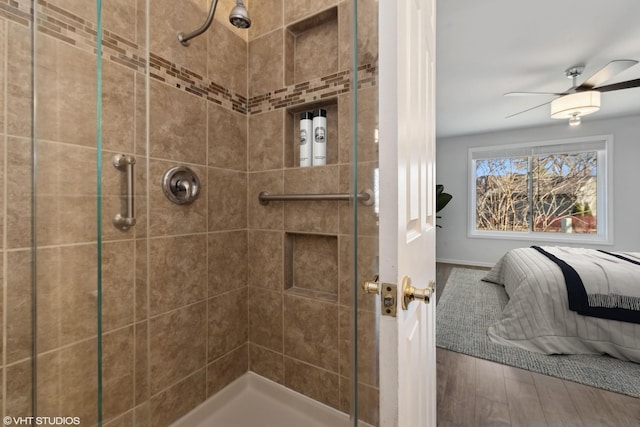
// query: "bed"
[[601, 317]]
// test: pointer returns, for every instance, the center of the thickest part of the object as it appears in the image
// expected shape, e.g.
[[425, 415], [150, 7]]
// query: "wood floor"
[[477, 392]]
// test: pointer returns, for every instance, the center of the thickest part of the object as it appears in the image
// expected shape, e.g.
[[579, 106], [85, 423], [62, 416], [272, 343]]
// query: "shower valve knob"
[[181, 185]]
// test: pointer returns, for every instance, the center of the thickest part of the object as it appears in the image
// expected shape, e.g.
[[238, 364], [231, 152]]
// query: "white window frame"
[[604, 211]]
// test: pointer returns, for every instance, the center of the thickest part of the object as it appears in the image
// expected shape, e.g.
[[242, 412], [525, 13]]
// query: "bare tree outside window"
[[544, 193]]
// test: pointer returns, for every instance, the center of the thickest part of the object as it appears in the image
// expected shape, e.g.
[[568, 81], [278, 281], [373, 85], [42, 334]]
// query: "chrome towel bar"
[[365, 197], [125, 163]]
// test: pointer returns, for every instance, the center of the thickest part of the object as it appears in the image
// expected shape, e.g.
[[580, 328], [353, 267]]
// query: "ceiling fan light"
[[575, 104], [574, 120]]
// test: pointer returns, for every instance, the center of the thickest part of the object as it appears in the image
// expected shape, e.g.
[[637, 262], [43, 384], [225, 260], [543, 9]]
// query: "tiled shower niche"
[[311, 47], [311, 265], [292, 131]]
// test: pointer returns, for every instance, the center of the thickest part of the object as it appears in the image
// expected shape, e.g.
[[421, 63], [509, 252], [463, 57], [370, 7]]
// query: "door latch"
[[388, 295]]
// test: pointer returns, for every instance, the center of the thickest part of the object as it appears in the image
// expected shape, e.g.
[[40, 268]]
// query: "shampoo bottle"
[[306, 139], [319, 137]]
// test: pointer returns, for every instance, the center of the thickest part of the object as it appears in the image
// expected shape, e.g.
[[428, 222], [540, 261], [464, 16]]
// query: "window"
[[555, 190]]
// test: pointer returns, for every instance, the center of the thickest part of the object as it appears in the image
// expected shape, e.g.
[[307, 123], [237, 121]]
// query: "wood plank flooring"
[[477, 392]]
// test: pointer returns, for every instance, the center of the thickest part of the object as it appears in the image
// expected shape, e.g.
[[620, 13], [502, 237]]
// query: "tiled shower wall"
[[193, 296], [300, 253]]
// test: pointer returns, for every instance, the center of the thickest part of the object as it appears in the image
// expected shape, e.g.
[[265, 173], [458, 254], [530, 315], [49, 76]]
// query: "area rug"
[[469, 306]]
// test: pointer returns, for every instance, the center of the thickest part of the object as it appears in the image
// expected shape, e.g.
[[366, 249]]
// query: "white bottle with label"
[[306, 138], [319, 137]]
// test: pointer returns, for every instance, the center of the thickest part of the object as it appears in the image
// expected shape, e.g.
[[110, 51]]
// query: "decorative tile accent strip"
[[313, 90], [74, 30]]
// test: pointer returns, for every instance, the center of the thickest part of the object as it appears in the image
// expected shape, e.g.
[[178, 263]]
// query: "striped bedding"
[[537, 316]]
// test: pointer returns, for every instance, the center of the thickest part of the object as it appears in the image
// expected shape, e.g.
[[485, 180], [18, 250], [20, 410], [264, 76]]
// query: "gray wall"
[[453, 245]]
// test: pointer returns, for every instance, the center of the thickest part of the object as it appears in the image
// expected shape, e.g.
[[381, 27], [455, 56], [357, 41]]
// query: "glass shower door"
[[364, 165], [68, 272]]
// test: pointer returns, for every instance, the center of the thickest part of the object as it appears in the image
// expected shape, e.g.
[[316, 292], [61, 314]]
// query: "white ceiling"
[[486, 48]]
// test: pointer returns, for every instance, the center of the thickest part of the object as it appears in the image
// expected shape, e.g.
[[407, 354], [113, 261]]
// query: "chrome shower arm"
[[184, 38]]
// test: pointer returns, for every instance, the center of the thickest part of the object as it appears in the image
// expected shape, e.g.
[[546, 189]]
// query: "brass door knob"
[[411, 293]]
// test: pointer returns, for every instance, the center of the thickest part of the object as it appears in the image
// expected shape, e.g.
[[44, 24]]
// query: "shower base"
[[252, 400]]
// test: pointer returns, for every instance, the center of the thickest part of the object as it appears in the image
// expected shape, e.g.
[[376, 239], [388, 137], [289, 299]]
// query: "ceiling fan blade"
[[606, 73], [532, 93], [629, 84], [529, 109]]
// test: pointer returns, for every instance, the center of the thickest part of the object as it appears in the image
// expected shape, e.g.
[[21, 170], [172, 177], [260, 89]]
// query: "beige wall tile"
[[367, 269], [67, 282], [227, 59], [368, 398], [226, 369], [178, 400], [266, 58], [118, 367], [141, 282], [178, 124], [19, 86], [166, 21], [78, 381], [311, 331], [118, 284], [367, 33], [367, 345], [3, 59], [124, 420], [266, 136], [296, 9], [118, 107], [141, 366], [18, 389], [265, 318], [227, 322], [76, 276], [141, 114], [269, 216], [167, 218], [76, 92], [311, 381], [19, 209], [18, 306], [266, 259], [19, 96], [179, 272], [227, 192], [177, 344], [227, 256], [227, 138], [118, 15], [61, 195], [266, 363], [266, 16]]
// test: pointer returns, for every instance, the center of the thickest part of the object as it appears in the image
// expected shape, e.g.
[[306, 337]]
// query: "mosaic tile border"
[[76, 31]]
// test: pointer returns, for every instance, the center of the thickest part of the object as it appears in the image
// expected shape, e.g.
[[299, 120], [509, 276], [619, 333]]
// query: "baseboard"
[[466, 262]]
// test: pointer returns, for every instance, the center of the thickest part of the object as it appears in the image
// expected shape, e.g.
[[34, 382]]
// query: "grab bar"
[[128, 219], [365, 197]]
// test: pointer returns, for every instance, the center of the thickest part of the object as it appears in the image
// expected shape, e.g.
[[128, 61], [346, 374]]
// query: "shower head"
[[239, 16]]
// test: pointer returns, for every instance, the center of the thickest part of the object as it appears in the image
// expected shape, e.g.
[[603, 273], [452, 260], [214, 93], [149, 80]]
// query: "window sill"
[[592, 239]]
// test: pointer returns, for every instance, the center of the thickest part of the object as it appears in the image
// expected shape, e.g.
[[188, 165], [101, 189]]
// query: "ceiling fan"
[[583, 99]]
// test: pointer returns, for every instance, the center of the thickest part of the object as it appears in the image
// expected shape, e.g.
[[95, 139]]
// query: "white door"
[[407, 214]]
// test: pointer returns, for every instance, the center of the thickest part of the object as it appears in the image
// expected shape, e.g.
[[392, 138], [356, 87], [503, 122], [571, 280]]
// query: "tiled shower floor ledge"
[[252, 401]]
